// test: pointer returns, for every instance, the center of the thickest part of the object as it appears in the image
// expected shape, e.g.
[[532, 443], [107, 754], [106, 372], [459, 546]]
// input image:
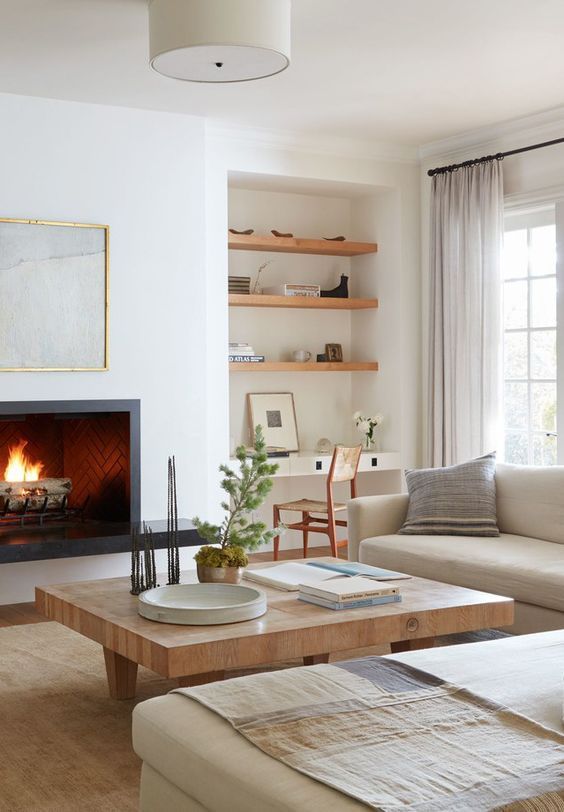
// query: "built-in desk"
[[308, 463]]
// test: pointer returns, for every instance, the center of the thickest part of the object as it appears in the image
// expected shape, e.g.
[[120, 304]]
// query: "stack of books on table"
[[349, 593], [243, 354], [239, 284], [293, 290]]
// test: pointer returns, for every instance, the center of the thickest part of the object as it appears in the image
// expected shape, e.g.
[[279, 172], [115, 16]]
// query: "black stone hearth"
[[87, 538]]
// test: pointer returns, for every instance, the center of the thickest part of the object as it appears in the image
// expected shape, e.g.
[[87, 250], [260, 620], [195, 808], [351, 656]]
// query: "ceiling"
[[400, 71]]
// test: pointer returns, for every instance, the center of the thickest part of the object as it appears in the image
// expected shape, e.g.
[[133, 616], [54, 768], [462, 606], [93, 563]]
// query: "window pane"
[[543, 250], [515, 304], [514, 257], [515, 355], [516, 447], [544, 450], [543, 402], [516, 405], [543, 354], [543, 302]]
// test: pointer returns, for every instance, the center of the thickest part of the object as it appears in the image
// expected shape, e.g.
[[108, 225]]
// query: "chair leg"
[[276, 539], [332, 533], [305, 532]]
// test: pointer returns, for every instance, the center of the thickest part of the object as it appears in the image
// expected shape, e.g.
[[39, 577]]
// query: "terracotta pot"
[[220, 575]]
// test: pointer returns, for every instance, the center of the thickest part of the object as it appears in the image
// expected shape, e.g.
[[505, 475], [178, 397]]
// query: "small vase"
[[371, 445], [220, 575]]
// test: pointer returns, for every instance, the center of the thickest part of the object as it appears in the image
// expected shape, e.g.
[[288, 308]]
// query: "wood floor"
[[18, 614]]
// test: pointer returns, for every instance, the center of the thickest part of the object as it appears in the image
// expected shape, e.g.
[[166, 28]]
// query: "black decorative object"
[[321, 357], [247, 232], [172, 525], [143, 569], [340, 238], [340, 292]]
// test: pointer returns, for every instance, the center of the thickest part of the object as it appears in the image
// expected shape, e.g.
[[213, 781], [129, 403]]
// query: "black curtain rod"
[[499, 156]]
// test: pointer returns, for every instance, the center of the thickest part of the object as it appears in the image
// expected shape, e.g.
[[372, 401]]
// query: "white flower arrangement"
[[366, 426]]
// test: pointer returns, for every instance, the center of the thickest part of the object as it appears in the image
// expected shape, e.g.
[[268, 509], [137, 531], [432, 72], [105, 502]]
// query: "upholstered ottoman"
[[193, 760]]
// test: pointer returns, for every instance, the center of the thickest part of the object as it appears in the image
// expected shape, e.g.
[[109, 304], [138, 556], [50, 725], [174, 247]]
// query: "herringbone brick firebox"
[[86, 496], [91, 450]]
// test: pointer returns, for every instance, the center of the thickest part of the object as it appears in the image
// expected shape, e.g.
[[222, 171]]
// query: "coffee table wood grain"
[[105, 611]]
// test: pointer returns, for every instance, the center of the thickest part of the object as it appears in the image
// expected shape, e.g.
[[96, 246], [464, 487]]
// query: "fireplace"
[[70, 480], [69, 462]]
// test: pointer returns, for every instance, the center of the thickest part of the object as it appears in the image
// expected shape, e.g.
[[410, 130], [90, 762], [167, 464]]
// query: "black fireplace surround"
[[97, 445]]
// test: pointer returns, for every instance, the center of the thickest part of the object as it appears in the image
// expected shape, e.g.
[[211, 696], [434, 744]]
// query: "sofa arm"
[[374, 516]]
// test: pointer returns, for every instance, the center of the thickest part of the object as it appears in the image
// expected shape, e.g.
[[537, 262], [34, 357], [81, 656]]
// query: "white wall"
[[143, 174]]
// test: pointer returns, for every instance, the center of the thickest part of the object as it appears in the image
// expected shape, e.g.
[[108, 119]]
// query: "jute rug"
[[65, 746]]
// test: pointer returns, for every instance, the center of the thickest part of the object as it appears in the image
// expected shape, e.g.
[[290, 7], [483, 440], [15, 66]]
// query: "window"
[[530, 339]]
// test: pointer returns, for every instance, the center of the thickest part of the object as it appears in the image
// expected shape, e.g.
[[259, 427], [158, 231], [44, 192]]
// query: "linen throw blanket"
[[395, 737]]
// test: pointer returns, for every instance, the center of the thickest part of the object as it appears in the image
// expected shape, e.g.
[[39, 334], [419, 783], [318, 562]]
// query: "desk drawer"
[[306, 466]]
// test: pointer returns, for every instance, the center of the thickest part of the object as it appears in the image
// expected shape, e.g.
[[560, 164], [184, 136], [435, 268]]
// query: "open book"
[[289, 576]]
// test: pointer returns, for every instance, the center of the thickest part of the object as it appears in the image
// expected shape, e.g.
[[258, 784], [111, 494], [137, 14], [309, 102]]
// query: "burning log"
[[16, 493]]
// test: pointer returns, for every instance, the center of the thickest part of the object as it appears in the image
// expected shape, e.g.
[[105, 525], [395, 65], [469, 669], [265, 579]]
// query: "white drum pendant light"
[[219, 40]]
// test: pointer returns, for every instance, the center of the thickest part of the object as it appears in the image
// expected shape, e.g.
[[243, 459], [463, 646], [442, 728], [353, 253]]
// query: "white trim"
[[321, 145], [529, 129], [536, 198]]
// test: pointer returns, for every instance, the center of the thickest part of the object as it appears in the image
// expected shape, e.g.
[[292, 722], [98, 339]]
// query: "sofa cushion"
[[527, 569], [530, 501], [454, 501]]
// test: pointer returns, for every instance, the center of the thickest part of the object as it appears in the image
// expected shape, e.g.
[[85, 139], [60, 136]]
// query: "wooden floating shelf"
[[300, 245], [300, 302], [309, 366]]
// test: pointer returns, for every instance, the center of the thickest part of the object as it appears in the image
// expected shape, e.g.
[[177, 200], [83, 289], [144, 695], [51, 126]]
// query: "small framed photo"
[[334, 352], [275, 412]]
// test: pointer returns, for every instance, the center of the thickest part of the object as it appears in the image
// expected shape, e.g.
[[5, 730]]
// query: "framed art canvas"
[[53, 296], [276, 414]]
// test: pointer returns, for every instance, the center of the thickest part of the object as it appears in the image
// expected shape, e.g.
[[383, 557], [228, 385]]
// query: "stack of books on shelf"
[[239, 284], [349, 593], [243, 354], [293, 290]]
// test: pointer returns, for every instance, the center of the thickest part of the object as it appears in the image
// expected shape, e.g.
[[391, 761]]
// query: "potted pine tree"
[[224, 558]]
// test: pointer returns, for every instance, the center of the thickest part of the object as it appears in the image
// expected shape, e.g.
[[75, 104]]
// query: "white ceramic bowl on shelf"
[[202, 604]]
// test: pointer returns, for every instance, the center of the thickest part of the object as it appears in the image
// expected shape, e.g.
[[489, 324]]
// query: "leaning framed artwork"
[[275, 412], [54, 296]]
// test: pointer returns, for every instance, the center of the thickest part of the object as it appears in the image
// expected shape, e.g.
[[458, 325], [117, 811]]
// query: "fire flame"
[[20, 468]]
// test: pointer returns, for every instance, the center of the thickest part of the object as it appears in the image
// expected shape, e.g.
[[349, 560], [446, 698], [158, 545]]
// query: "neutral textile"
[[459, 500], [436, 746], [464, 323]]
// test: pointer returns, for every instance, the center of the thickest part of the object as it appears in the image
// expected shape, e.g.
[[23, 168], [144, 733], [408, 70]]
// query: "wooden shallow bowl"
[[202, 604]]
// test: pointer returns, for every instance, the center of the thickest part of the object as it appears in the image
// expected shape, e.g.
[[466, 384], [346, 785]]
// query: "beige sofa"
[[526, 562]]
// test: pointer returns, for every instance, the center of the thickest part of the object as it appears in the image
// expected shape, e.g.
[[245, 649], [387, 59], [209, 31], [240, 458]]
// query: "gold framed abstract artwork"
[[54, 296]]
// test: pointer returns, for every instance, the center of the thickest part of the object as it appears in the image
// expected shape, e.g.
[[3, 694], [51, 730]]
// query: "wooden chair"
[[344, 467]]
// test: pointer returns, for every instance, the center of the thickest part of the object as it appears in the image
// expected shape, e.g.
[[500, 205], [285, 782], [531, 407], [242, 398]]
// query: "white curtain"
[[465, 318]]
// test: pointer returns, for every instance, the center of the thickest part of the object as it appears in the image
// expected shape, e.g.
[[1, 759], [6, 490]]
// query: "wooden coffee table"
[[104, 611]]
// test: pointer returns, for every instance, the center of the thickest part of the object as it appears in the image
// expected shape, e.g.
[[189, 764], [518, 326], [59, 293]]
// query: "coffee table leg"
[[200, 679], [316, 659], [412, 645], [122, 675]]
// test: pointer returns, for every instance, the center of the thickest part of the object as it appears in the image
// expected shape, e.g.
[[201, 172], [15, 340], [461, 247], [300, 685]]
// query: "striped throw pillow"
[[454, 501]]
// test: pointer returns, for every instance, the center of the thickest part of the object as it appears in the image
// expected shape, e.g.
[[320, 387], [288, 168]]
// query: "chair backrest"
[[344, 464]]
